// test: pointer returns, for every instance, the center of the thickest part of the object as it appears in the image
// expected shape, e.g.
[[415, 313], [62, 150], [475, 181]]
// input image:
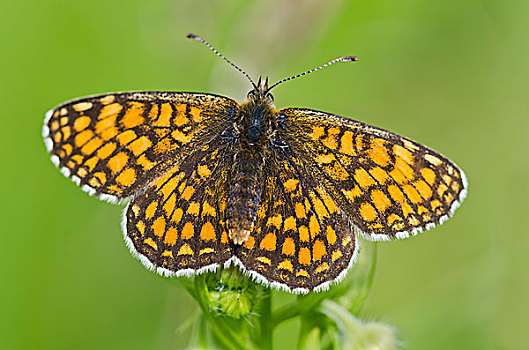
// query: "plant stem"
[[348, 325], [302, 305], [367, 282], [266, 328], [304, 329], [309, 335]]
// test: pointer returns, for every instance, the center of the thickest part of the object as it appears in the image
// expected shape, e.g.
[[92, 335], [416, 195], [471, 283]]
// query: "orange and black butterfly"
[[281, 193]]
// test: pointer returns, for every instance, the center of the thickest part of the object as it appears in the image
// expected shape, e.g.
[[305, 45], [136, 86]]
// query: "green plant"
[[237, 313]]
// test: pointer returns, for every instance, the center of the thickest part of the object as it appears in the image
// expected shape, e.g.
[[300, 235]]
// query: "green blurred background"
[[451, 74]]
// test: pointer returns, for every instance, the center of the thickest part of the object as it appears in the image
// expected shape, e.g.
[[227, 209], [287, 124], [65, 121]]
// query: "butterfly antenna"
[[197, 38], [341, 59]]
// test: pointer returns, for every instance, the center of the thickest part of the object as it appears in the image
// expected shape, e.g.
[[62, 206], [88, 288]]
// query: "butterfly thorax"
[[255, 126]]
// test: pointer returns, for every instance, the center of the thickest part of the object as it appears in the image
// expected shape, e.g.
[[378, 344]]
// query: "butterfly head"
[[261, 90], [257, 118]]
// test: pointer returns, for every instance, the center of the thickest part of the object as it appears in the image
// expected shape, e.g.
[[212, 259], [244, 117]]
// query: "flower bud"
[[232, 294]]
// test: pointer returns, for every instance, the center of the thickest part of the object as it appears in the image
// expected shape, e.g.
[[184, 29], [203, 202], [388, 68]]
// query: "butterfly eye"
[[270, 96], [251, 94]]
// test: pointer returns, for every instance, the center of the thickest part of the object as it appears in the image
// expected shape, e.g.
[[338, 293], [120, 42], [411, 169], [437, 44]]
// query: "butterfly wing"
[[302, 240], [176, 226], [114, 144], [388, 185]]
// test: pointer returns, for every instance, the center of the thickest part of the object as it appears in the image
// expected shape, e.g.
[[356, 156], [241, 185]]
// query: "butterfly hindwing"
[[177, 225], [389, 185], [302, 240], [114, 144]]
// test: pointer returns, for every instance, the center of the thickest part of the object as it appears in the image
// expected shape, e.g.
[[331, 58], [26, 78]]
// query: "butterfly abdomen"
[[244, 196]]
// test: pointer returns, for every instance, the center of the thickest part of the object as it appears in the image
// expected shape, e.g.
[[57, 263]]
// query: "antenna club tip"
[[191, 36], [351, 58]]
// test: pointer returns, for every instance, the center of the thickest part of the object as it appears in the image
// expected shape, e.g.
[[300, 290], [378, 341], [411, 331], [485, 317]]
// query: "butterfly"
[[283, 193]]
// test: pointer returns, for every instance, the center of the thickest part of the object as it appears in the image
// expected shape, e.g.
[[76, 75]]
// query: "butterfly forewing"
[[114, 144], [389, 185]]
